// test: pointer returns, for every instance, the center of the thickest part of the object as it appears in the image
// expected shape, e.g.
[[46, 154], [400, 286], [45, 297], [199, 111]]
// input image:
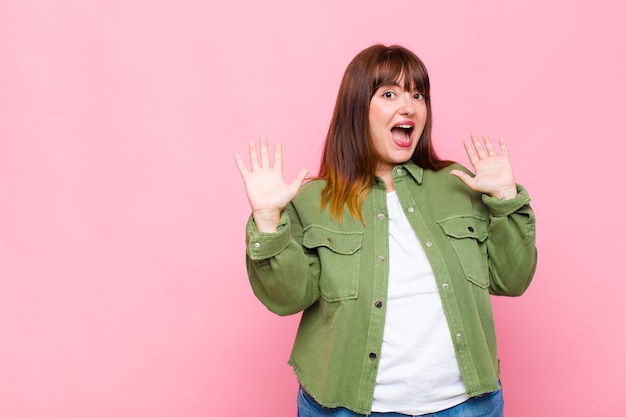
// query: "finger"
[[242, 167], [265, 157], [254, 161], [278, 156], [480, 149], [471, 152], [504, 150], [489, 146]]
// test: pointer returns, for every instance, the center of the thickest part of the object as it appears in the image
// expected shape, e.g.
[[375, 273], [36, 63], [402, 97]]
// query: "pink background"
[[122, 281]]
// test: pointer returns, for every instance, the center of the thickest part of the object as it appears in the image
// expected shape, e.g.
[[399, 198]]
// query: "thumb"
[[298, 180], [467, 179]]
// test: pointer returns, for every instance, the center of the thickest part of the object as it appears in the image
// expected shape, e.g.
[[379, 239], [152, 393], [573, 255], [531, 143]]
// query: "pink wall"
[[122, 282]]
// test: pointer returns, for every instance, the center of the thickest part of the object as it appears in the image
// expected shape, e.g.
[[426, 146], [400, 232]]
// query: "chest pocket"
[[339, 254], [465, 234]]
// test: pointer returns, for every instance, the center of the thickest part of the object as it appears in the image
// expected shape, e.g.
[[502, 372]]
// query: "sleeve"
[[283, 276], [511, 250]]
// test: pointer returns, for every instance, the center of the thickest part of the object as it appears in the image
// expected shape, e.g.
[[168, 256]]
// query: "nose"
[[407, 104]]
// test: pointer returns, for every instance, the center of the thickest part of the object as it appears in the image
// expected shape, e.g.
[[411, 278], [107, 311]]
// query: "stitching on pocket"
[[465, 233], [340, 256]]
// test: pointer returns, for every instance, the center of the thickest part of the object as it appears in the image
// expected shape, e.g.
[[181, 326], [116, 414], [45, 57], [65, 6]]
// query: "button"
[[471, 229], [458, 336], [380, 216], [257, 245], [372, 355], [378, 304], [410, 209], [399, 171], [429, 244], [382, 258], [445, 286]]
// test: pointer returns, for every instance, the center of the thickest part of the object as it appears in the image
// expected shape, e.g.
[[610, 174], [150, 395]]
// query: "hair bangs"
[[397, 67]]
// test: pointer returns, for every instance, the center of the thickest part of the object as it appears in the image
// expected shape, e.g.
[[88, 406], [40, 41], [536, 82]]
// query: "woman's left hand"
[[493, 172]]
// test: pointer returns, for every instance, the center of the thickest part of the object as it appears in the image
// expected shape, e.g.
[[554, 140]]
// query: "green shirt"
[[337, 274]]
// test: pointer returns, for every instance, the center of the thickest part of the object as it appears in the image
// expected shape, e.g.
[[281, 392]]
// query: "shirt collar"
[[416, 171], [413, 170]]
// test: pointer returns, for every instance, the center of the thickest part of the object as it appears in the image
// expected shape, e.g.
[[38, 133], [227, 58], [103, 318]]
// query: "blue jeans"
[[488, 405]]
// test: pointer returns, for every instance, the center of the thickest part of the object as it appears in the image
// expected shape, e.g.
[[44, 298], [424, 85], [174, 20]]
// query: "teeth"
[[404, 126]]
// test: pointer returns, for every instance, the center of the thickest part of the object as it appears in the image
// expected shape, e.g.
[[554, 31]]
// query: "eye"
[[419, 96], [389, 94]]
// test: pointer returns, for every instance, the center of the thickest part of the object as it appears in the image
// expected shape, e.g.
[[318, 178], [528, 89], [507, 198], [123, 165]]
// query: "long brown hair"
[[349, 160]]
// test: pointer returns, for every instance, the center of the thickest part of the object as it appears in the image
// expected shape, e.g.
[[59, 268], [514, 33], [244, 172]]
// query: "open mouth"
[[401, 133]]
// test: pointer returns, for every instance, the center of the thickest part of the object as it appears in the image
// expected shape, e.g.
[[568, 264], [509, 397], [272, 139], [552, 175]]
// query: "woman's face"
[[396, 121]]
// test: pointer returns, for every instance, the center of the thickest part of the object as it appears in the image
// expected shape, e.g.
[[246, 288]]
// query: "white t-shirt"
[[418, 372]]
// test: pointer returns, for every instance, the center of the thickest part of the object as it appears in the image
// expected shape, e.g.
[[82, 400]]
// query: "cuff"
[[503, 208], [266, 245]]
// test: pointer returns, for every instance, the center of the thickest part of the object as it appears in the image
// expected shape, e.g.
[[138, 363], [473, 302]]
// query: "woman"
[[390, 253]]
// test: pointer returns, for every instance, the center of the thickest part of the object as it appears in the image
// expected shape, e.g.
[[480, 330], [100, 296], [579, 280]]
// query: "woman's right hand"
[[266, 189]]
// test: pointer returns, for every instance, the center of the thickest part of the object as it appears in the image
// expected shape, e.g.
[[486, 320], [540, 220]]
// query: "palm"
[[493, 172], [265, 187]]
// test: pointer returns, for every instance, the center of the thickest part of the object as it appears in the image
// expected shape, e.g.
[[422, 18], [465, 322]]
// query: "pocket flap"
[[345, 243], [466, 226]]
